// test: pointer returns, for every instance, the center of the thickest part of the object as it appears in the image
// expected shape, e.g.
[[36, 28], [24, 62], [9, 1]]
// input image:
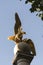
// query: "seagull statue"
[[17, 37]]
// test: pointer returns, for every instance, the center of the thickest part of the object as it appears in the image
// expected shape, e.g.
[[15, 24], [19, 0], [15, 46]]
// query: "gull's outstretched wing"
[[17, 23]]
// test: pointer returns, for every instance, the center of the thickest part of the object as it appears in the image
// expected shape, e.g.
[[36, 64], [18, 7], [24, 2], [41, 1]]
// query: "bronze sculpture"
[[24, 50]]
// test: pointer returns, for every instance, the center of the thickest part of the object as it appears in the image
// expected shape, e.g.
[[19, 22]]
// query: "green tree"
[[36, 5]]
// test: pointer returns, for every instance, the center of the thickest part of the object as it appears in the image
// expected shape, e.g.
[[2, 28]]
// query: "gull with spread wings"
[[18, 37], [17, 30]]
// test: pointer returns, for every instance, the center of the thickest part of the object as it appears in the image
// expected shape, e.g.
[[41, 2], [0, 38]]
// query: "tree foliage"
[[36, 5]]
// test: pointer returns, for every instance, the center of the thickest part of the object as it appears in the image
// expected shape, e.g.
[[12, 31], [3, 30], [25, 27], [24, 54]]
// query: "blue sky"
[[31, 24]]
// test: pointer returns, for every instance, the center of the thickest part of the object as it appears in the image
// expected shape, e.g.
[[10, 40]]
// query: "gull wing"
[[17, 23], [32, 47]]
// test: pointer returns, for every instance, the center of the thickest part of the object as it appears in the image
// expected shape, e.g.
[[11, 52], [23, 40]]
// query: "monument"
[[24, 50]]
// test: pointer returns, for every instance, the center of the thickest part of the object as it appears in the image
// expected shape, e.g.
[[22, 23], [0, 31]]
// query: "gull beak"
[[23, 32]]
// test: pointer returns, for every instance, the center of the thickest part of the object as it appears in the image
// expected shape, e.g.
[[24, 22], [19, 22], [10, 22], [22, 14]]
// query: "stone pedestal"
[[23, 56]]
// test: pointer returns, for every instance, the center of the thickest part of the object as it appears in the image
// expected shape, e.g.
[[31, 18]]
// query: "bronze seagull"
[[17, 30]]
